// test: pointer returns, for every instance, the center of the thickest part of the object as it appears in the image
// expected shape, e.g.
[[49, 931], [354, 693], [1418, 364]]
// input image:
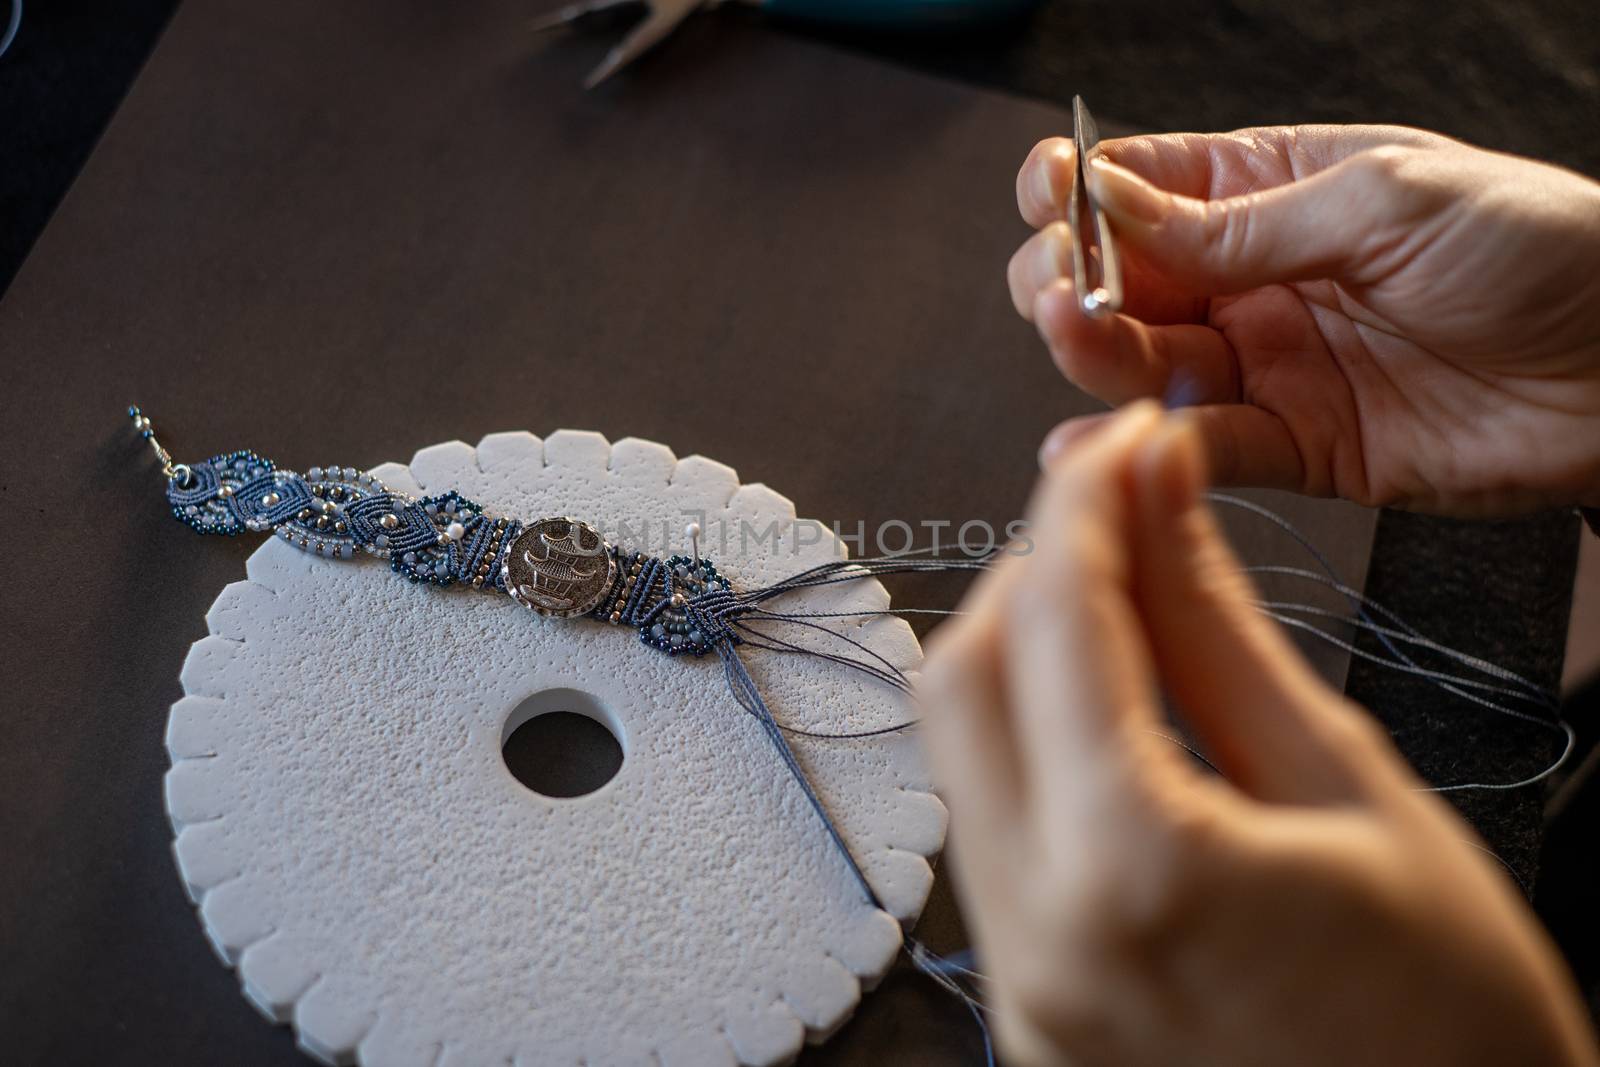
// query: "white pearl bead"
[[455, 531]]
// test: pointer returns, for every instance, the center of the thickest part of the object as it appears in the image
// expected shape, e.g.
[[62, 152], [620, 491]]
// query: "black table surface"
[[1519, 78]]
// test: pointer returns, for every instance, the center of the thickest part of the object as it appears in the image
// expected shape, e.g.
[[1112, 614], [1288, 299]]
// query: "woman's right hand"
[[1370, 312], [1309, 906]]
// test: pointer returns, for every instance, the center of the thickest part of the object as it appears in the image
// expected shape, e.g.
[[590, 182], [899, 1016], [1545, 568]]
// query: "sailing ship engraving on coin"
[[559, 567]]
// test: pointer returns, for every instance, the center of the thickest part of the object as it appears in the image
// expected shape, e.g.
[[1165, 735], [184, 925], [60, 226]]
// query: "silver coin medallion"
[[559, 567]]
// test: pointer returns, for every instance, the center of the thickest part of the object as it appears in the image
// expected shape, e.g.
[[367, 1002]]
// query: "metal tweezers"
[[1096, 274]]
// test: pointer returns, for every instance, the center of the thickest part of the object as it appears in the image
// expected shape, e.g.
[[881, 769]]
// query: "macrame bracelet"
[[555, 566]]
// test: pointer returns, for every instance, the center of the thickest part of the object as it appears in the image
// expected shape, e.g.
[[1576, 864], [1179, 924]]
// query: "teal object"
[[900, 14]]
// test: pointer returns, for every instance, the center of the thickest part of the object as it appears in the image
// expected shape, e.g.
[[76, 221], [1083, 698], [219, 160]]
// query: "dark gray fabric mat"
[[88, 916]]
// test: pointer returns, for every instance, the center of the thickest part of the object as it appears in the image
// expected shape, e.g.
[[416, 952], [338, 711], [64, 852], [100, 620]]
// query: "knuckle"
[[1226, 228], [1213, 221], [1190, 837], [1385, 164], [1368, 487], [1399, 182]]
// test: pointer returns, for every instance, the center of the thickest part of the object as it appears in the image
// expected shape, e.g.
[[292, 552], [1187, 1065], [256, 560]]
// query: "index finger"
[[1183, 163], [1044, 182], [1204, 166], [1078, 668]]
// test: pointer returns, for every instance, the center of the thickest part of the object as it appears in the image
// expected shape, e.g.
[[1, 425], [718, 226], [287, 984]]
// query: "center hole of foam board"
[[562, 743]]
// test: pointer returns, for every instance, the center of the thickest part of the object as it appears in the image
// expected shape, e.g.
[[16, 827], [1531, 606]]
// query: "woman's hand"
[[1370, 312], [1129, 908]]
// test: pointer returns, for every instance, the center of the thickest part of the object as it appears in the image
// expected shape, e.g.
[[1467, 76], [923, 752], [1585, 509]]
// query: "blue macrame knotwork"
[[438, 561], [321, 525], [201, 494], [288, 495], [678, 605], [390, 522], [481, 552], [338, 511]]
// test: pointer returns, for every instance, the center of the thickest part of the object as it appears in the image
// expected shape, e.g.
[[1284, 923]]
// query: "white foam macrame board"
[[360, 852]]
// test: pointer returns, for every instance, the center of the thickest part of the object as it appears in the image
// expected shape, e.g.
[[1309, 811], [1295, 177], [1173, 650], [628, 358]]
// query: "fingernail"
[[1061, 440], [1142, 410], [1051, 447], [1044, 185], [1068, 435], [1126, 196]]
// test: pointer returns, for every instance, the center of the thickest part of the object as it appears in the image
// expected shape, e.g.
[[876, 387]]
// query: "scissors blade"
[[570, 13], [663, 18], [1098, 279]]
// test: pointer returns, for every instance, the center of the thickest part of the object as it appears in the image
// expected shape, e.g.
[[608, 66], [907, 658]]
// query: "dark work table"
[[1519, 78]]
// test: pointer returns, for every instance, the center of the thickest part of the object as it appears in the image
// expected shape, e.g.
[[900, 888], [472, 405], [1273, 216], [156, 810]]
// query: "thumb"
[[1334, 224], [1273, 727]]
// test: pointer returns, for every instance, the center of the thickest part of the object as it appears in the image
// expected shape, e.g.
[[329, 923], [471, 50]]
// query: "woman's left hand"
[[1313, 908]]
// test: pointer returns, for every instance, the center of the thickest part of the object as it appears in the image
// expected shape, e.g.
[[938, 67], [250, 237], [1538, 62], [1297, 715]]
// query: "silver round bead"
[[389, 521], [269, 500]]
